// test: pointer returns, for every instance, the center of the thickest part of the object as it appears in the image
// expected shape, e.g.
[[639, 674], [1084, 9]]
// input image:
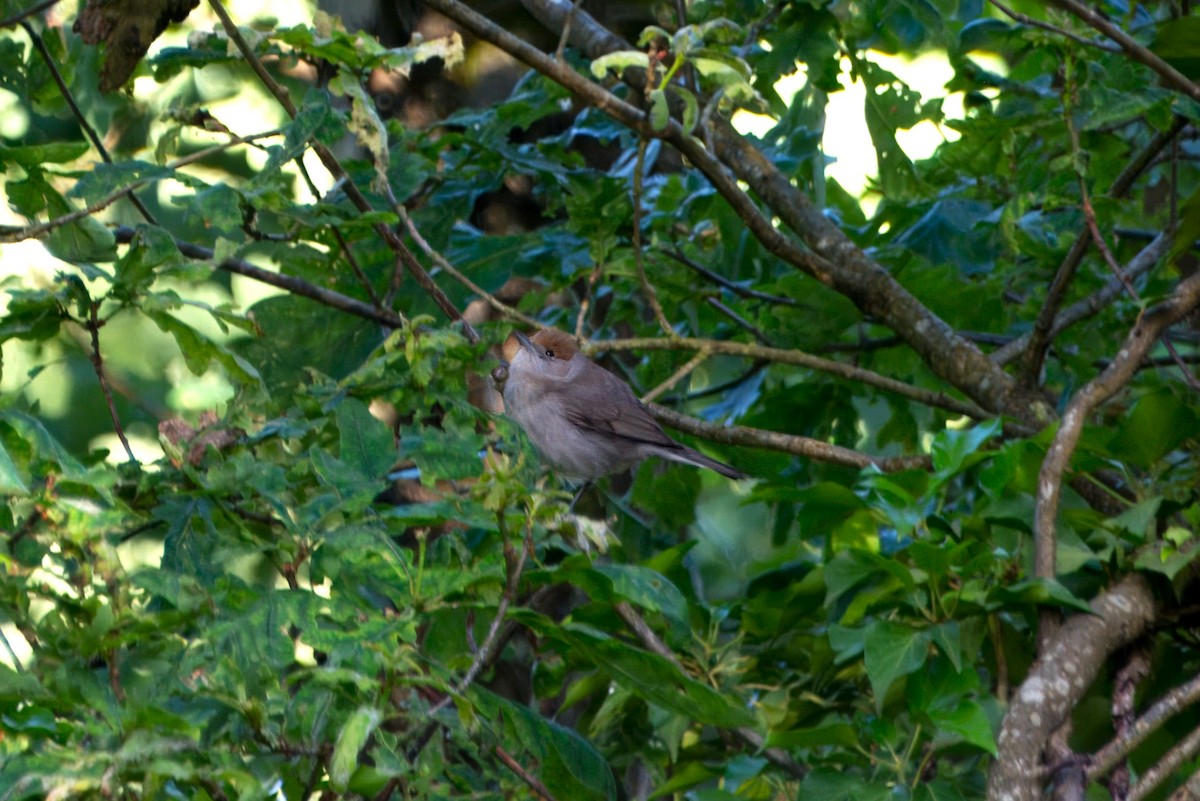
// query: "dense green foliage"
[[245, 618]]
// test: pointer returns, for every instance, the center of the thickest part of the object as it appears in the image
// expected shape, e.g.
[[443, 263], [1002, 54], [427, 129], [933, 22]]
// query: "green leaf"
[[646, 588], [49, 153], [34, 315], [366, 445], [841, 735], [368, 128], [1176, 40], [619, 61], [350, 742], [218, 209], [105, 179], [567, 764], [1160, 422], [171, 61], [11, 482], [691, 109], [726, 74], [85, 240], [1138, 520], [892, 651], [660, 110], [1169, 558], [657, 680], [948, 638], [952, 451], [199, 352], [1038, 592], [45, 445], [969, 722], [150, 248]]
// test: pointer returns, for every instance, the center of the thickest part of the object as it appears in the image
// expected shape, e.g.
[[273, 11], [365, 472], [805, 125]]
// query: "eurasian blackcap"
[[584, 421]]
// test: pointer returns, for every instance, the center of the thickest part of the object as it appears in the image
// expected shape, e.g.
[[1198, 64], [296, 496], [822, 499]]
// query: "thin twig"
[[1171, 704], [638, 257], [1171, 76], [93, 324], [565, 36], [444, 263], [80, 118], [26, 14], [290, 283], [35, 231], [815, 449], [586, 301], [534, 783], [732, 286], [1045, 26], [677, 376], [1044, 327], [1091, 305], [1089, 215], [351, 259], [742, 322], [514, 563], [796, 358], [394, 242]]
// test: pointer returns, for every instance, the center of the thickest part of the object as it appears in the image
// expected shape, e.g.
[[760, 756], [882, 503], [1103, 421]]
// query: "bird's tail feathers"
[[694, 457]]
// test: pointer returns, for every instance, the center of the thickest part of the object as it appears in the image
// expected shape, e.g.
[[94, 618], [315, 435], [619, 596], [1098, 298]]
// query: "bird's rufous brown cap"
[[561, 343]]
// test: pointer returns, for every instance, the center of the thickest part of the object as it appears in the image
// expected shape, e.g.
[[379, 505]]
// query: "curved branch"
[[335, 168], [1171, 76], [1146, 258], [1183, 751], [1059, 680], [40, 229], [88, 131], [8, 22], [1163, 710], [807, 447], [289, 283], [831, 258], [798, 359], [1146, 331]]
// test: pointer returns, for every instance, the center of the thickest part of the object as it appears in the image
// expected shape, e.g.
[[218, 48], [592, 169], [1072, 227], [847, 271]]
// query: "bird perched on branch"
[[584, 421]]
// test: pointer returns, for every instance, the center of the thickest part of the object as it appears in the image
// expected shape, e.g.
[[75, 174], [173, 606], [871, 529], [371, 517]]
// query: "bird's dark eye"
[[549, 353]]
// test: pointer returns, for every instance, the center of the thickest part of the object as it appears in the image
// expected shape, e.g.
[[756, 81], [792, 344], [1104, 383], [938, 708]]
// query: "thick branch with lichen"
[[1059, 680]]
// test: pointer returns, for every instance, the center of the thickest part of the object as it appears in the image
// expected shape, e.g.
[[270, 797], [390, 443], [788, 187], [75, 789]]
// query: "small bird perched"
[[584, 421]]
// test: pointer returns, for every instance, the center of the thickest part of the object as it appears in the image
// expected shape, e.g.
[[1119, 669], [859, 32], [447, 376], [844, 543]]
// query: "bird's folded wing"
[[614, 410]]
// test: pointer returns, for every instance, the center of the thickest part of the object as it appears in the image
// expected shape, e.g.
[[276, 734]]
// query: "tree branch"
[[40, 229], [1059, 680], [1146, 331], [1140, 264], [1183, 751], [289, 283], [796, 358], [1171, 76], [92, 324], [339, 174], [786, 443], [1171, 704], [833, 259]]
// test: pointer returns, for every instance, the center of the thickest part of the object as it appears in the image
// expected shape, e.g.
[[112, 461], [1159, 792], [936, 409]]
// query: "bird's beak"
[[525, 341]]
